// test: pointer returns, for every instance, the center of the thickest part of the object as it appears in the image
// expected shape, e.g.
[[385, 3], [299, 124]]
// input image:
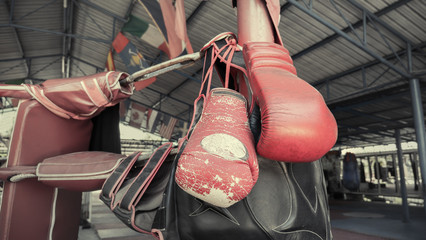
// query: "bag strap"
[[144, 178], [116, 179]]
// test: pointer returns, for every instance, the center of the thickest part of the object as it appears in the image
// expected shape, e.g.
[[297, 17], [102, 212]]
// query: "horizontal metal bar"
[[159, 110], [102, 10], [195, 12], [87, 63], [107, 41], [355, 25], [28, 58], [366, 65], [197, 80], [351, 40], [175, 99], [381, 22]]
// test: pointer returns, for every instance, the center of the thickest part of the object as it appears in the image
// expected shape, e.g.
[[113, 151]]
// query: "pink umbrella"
[[14, 91], [77, 98], [85, 97]]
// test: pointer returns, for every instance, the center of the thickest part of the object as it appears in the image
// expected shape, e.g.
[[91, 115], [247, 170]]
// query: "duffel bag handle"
[[144, 178], [114, 182]]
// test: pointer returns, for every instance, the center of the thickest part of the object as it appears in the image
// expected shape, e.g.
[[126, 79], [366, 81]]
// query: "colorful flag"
[[146, 32], [182, 129], [109, 65], [153, 119], [137, 115], [167, 126], [169, 18], [128, 52], [132, 58], [124, 106]]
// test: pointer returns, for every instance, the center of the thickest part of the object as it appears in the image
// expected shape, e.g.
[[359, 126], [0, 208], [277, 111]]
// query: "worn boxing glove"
[[219, 163], [296, 125]]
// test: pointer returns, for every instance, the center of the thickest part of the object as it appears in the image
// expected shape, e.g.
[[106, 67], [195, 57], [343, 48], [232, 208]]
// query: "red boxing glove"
[[296, 124], [219, 162]]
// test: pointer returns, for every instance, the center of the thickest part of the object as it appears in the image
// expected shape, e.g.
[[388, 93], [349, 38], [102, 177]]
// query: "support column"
[[405, 213], [419, 123], [395, 173], [378, 174], [369, 170]]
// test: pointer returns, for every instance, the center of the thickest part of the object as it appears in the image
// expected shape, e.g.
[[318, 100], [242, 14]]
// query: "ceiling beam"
[[188, 79], [376, 129], [29, 58], [103, 10], [389, 57], [12, 25], [195, 12], [284, 7], [358, 24], [361, 45], [10, 11]]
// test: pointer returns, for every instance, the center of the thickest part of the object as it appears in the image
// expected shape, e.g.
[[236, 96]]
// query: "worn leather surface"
[[289, 201], [296, 125], [219, 164], [80, 171], [81, 97], [28, 205], [134, 191], [6, 173]]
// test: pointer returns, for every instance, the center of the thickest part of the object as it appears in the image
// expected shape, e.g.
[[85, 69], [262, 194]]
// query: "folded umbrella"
[[77, 98]]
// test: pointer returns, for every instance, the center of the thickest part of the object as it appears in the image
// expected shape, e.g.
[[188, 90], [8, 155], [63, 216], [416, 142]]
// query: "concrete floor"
[[378, 219], [350, 220]]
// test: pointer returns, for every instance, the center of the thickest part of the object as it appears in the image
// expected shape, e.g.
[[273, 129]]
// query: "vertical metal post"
[[64, 37], [11, 11], [369, 169], [364, 27], [396, 173], [418, 116], [378, 174], [405, 213], [364, 78], [416, 170]]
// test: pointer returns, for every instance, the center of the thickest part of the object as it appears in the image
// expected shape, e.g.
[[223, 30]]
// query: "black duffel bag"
[[289, 201]]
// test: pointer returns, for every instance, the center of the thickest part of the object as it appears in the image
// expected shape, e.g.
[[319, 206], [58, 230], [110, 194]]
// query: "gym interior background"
[[367, 59]]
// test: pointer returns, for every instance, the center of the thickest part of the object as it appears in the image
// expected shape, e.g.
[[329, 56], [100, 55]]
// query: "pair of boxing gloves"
[[293, 124]]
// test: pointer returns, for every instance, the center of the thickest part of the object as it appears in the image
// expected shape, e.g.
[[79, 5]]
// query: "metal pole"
[[416, 99], [416, 169], [405, 213], [369, 169], [396, 173], [378, 174], [369, 51]]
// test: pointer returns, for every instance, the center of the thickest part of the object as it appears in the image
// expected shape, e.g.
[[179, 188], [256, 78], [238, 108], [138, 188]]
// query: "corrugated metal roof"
[[368, 98]]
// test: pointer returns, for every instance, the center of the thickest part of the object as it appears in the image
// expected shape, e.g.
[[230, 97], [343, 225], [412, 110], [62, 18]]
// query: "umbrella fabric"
[[81, 97], [14, 91]]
